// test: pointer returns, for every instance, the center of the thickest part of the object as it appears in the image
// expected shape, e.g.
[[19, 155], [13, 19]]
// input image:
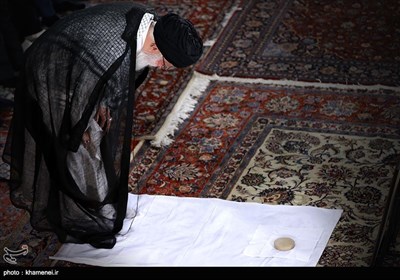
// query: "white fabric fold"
[[178, 231]]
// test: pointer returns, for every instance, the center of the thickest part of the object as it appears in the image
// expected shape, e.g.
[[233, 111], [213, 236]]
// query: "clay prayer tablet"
[[284, 244]]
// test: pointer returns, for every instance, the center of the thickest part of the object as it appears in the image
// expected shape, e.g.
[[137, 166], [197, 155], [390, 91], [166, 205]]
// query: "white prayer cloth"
[[178, 231]]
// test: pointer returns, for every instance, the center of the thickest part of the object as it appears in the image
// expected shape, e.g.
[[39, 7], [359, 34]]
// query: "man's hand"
[[86, 139], [103, 118]]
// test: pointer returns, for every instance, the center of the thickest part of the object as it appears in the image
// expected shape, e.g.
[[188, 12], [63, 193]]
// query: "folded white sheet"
[[177, 231]]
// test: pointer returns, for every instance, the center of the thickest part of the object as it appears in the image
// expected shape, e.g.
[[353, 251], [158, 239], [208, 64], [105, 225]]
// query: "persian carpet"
[[331, 148], [343, 42]]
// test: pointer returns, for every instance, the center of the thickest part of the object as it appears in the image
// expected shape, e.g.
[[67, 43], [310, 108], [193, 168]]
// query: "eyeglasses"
[[165, 66]]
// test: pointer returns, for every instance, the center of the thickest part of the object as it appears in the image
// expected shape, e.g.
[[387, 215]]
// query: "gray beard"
[[144, 59]]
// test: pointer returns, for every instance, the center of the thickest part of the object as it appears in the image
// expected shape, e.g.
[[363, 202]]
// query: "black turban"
[[178, 40]]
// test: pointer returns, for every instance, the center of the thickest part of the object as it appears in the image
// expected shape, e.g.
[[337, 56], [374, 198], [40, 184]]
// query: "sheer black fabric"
[[86, 61]]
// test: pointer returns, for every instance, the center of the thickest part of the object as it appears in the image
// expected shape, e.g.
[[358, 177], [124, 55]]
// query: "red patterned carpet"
[[286, 145], [347, 42], [267, 144], [228, 112], [327, 147]]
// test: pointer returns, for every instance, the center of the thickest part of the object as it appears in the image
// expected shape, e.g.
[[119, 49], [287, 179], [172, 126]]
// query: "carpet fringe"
[[230, 13], [224, 22], [215, 77], [181, 111]]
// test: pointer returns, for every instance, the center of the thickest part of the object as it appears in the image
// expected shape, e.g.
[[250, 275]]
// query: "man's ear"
[[153, 48]]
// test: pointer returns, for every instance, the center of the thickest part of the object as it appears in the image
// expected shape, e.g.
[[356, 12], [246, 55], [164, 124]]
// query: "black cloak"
[[85, 61]]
